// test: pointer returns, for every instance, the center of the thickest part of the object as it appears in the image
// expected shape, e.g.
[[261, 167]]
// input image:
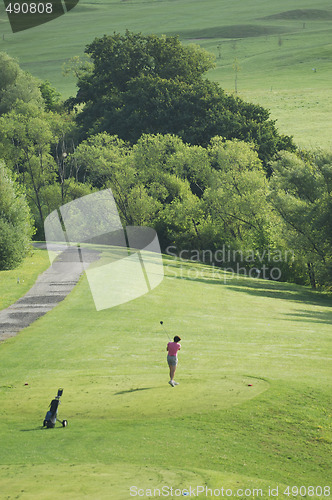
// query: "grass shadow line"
[[132, 390]]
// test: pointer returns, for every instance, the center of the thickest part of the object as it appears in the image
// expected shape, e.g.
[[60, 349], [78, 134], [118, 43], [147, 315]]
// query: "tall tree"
[[16, 85], [50, 95], [16, 228], [237, 198], [144, 84], [36, 145], [26, 137], [301, 192]]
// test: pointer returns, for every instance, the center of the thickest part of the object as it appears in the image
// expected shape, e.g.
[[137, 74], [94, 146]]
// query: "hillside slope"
[[252, 409], [279, 52]]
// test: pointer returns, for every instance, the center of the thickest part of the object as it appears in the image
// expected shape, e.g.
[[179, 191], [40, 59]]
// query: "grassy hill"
[[282, 50], [252, 411]]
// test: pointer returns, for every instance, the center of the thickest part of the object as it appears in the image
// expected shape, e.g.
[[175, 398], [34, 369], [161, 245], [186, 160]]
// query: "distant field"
[[282, 49]]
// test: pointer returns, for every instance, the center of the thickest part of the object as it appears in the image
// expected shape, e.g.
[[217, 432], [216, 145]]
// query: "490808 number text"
[[29, 8]]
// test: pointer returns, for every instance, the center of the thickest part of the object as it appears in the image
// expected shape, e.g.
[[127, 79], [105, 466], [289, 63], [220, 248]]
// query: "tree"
[[50, 95], [207, 198], [102, 158], [147, 85], [180, 222], [156, 156], [26, 138], [16, 228], [120, 58], [195, 197], [301, 192], [236, 200], [147, 178], [16, 85]]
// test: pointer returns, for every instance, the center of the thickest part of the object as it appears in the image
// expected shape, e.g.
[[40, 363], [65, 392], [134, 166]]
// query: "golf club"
[[162, 324]]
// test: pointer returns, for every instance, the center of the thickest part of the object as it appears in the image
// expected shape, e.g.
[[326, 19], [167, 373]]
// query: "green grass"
[[128, 427], [276, 44], [15, 283]]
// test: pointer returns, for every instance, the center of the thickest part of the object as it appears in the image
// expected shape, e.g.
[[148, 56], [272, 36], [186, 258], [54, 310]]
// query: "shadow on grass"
[[132, 390], [40, 428], [284, 291], [268, 288], [312, 317]]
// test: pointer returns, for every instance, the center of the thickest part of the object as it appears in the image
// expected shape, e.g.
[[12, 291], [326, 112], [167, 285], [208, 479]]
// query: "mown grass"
[[16, 282], [276, 46], [128, 427]]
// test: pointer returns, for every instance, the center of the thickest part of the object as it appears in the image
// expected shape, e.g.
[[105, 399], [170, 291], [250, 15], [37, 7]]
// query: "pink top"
[[173, 348]]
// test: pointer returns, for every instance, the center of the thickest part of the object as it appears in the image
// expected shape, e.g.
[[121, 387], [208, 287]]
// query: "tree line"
[[205, 169]]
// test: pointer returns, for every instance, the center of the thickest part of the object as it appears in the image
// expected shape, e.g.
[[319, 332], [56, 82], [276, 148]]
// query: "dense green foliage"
[[206, 195], [35, 139], [301, 192], [50, 95], [215, 203], [16, 85], [16, 228], [145, 84]]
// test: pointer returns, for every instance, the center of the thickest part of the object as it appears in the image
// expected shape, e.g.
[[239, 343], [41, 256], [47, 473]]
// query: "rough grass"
[[15, 283], [128, 427]]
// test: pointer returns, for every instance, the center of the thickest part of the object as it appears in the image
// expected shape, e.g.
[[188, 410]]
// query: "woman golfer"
[[172, 358]]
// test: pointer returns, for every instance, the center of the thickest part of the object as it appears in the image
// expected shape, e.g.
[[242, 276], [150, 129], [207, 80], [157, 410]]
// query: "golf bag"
[[51, 415]]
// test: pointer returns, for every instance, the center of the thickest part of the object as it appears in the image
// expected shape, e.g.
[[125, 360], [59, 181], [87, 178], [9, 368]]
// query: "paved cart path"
[[51, 287]]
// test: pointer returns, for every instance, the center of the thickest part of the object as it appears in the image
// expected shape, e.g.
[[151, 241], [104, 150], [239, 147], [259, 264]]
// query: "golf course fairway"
[[251, 413]]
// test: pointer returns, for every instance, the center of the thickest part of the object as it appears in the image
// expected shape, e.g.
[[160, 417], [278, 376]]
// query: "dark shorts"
[[172, 360]]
